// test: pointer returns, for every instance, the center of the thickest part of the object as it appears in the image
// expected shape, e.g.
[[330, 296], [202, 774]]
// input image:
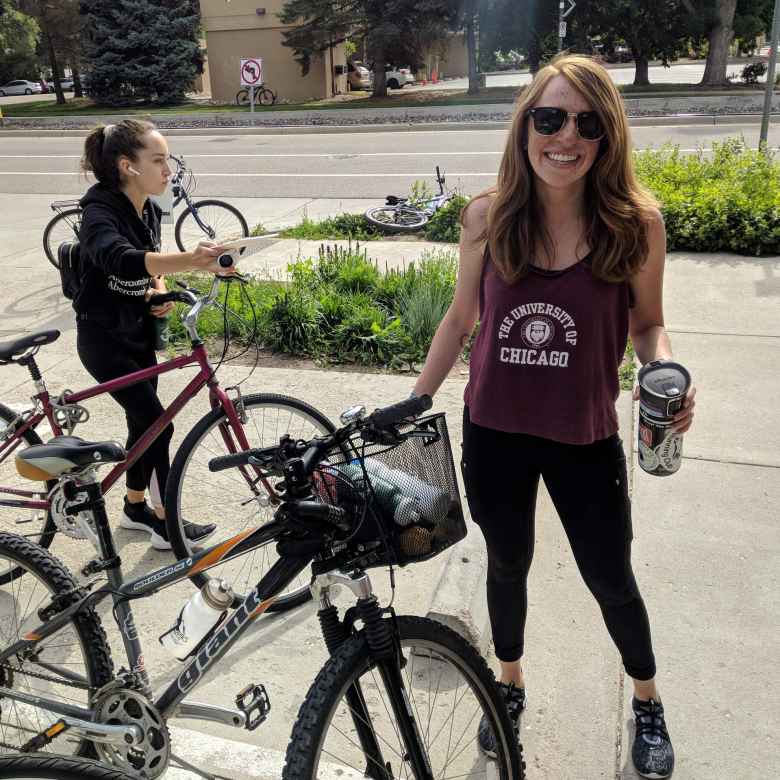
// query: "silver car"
[[20, 87]]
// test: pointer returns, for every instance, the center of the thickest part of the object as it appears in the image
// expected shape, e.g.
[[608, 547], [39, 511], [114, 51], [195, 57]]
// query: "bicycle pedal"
[[253, 701]]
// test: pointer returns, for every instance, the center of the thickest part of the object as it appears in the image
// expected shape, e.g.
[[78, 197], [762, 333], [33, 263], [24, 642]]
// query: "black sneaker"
[[515, 703], [141, 517], [652, 753]]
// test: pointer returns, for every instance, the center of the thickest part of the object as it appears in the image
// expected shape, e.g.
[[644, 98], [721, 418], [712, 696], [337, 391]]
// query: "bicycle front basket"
[[410, 489]]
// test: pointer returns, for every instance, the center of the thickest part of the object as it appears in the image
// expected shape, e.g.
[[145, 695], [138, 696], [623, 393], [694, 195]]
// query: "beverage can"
[[663, 385]]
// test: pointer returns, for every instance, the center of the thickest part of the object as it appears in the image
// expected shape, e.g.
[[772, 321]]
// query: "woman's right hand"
[[204, 258]]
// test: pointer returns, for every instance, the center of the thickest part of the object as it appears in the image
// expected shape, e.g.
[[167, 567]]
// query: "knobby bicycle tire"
[[10, 516], [41, 766], [413, 219], [186, 217], [73, 218], [352, 660], [85, 624], [198, 438]]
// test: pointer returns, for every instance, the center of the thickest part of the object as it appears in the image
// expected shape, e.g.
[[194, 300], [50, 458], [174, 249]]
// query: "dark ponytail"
[[107, 143]]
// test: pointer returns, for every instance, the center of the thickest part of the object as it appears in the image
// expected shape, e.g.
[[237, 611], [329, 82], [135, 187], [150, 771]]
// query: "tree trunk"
[[78, 90], [377, 54], [642, 75], [55, 70], [471, 48], [720, 37]]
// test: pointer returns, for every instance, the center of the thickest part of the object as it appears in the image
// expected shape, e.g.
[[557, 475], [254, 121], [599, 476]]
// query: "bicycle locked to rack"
[[399, 696]]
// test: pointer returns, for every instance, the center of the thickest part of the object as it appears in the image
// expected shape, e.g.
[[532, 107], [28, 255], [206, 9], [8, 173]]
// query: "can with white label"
[[663, 386]]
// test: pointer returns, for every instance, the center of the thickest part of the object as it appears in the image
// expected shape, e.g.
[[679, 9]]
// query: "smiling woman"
[[561, 260]]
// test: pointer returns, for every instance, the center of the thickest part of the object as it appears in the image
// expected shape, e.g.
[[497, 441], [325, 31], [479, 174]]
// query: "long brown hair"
[[618, 209]]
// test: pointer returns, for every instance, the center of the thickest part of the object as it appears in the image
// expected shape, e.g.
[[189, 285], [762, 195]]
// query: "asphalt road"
[[343, 165]]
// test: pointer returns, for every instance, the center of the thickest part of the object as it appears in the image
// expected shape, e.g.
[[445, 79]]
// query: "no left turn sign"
[[251, 72]]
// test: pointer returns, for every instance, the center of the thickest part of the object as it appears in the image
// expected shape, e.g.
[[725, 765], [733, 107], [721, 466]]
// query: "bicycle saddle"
[[8, 349], [63, 454]]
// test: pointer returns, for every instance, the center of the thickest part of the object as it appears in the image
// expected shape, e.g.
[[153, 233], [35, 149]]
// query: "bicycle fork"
[[385, 653]]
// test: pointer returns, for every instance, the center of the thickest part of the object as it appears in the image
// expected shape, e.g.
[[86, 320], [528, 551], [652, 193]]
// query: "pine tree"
[[141, 50]]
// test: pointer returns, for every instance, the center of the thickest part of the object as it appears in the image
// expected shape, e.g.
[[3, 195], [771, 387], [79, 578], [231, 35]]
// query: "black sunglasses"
[[549, 121]]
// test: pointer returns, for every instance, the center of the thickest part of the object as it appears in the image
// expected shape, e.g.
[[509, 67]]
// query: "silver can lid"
[[664, 379]]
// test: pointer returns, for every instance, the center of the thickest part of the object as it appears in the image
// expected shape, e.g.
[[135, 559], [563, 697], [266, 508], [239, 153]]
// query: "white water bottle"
[[200, 615]]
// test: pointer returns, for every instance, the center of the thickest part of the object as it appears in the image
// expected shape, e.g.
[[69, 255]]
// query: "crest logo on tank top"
[[538, 325]]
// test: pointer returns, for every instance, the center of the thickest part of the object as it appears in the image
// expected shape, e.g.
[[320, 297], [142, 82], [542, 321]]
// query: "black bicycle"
[[201, 220], [264, 95], [400, 697]]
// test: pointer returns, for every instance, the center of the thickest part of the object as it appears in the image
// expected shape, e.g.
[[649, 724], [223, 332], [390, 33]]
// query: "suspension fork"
[[385, 652]]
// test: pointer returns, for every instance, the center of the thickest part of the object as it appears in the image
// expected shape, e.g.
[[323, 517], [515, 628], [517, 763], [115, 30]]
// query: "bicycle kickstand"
[[182, 764]]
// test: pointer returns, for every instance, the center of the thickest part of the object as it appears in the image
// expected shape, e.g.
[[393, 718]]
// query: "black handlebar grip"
[[226, 260], [230, 461], [411, 407]]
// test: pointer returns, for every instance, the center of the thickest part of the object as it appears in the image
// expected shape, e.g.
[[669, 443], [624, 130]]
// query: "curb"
[[658, 120]]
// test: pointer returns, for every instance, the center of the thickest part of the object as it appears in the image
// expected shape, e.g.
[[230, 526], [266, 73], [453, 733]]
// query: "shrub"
[[345, 226], [444, 225], [289, 324], [729, 200], [751, 72]]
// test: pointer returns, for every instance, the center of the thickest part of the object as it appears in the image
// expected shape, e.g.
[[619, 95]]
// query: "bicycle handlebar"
[[312, 451]]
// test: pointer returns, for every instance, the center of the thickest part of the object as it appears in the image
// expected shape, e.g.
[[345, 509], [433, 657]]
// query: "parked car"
[[66, 84], [21, 87], [358, 76], [398, 78]]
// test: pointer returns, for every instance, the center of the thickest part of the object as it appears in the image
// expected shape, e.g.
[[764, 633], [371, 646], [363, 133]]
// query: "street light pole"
[[770, 77], [560, 22]]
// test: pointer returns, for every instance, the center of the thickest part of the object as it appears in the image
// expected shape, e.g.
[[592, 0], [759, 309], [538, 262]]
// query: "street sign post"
[[770, 77], [251, 77], [563, 12]]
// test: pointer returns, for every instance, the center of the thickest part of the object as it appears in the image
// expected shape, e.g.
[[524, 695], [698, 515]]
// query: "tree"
[[141, 50], [18, 38], [398, 31], [720, 35]]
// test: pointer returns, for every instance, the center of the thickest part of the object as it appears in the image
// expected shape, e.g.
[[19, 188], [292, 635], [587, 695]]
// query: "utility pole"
[[563, 12], [770, 77]]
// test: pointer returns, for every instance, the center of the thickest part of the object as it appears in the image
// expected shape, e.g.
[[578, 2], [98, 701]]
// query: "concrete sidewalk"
[[706, 549]]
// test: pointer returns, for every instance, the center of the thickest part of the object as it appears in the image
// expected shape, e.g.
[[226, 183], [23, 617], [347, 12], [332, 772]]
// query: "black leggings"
[[106, 359], [588, 485]]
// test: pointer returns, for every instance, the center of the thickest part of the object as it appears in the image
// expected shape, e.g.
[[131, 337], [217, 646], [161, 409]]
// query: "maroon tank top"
[[545, 360]]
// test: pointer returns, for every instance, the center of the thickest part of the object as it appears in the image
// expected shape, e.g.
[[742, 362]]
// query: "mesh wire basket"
[[405, 494]]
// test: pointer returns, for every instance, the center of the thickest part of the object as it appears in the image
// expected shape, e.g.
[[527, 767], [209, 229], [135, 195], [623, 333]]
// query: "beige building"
[[238, 29]]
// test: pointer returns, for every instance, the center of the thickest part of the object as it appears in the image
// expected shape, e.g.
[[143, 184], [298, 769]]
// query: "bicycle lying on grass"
[[201, 220], [399, 697], [401, 215], [235, 422]]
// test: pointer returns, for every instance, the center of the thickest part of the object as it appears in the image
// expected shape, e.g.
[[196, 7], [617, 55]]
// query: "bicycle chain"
[[47, 678]]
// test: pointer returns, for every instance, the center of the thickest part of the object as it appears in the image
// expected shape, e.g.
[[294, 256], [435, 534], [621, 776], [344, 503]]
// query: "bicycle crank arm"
[[195, 711], [99, 732]]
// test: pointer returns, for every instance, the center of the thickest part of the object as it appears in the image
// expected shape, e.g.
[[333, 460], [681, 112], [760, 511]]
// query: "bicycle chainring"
[[125, 707], [81, 526]]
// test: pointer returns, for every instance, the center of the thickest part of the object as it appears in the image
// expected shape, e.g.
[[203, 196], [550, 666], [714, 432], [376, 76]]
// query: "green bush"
[[342, 226], [444, 225], [726, 201]]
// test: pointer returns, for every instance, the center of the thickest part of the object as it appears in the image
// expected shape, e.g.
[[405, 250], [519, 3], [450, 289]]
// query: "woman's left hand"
[[684, 418]]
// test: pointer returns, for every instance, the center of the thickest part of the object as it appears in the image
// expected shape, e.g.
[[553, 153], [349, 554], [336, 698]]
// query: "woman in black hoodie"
[[120, 243]]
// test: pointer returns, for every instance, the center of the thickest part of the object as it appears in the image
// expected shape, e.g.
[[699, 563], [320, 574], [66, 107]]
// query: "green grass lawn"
[[442, 97]]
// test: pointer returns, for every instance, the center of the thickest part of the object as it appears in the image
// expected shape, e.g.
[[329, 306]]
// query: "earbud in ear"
[[133, 170]]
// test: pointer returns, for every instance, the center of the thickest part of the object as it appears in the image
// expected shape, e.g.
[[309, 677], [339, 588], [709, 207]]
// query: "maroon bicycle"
[[235, 500]]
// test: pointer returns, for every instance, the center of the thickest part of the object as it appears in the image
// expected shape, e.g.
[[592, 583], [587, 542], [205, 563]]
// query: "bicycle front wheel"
[[40, 766], [233, 499], [267, 97], [242, 97], [66, 667], [449, 689], [396, 219], [64, 227], [218, 221]]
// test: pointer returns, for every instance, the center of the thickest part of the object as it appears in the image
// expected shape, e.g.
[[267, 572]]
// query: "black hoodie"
[[114, 240]]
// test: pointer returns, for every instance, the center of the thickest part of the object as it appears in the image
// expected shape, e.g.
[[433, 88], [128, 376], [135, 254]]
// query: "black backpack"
[[69, 256]]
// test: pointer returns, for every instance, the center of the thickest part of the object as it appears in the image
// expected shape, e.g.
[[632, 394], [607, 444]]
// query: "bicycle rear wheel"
[[41, 766], [66, 667], [267, 97], [449, 688], [37, 525], [230, 498], [242, 97], [63, 227], [396, 219], [221, 220]]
